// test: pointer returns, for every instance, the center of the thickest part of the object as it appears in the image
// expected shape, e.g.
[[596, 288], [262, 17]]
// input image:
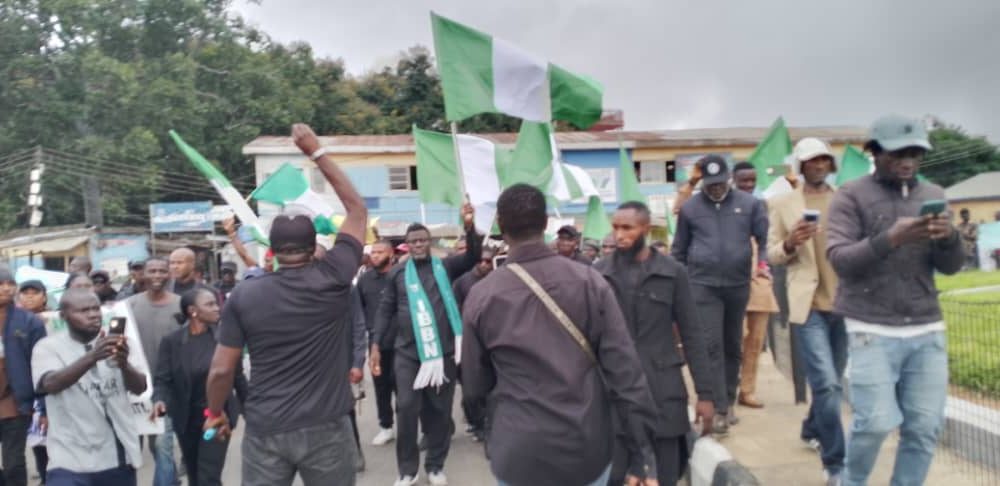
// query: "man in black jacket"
[[394, 329], [370, 286], [713, 230], [653, 292]]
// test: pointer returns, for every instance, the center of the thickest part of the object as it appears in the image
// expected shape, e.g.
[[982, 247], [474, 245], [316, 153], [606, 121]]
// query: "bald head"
[[75, 298], [80, 264], [182, 265], [82, 311]]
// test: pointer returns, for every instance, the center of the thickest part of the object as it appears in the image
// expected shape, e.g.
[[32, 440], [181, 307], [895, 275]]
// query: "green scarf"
[[425, 331]]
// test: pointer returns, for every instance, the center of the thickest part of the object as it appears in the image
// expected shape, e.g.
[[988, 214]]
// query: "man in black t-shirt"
[[299, 399]]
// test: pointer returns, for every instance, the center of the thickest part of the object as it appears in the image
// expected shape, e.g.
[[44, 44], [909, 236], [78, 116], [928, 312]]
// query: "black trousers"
[[203, 459], [13, 439], [721, 310], [41, 461], [429, 407], [354, 425], [385, 385], [474, 410]]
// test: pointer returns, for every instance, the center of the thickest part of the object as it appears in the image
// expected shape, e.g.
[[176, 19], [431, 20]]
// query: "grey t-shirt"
[[296, 323], [85, 418], [155, 322]]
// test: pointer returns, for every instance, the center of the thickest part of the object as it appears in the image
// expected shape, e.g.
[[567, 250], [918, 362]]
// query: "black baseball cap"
[[713, 170], [292, 233], [137, 264], [32, 284], [568, 230], [227, 267]]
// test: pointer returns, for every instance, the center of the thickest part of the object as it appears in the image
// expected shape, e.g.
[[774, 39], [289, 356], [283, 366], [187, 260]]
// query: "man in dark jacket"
[[21, 331], [417, 355], [654, 294], [474, 410], [550, 409], [370, 286], [568, 244], [713, 230], [885, 249]]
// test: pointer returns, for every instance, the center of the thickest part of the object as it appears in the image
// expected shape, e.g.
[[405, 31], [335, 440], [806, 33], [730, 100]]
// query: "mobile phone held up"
[[115, 328], [499, 260], [934, 207], [811, 215]]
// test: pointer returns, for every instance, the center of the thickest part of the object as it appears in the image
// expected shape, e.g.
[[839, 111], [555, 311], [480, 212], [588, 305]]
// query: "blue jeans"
[[165, 473], [601, 480], [121, 476], [822, 348], [896, 382]]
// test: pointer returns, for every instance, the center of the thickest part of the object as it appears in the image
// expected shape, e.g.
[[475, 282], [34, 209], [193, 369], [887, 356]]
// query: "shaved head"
[[77, 298], [182, 265]]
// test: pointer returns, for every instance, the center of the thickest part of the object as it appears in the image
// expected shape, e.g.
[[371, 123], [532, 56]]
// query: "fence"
[[972, 426]]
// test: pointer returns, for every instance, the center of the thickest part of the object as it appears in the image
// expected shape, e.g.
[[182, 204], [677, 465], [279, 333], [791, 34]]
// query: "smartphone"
[[498, 261], [117, 326], [933, 207], [811, 215]]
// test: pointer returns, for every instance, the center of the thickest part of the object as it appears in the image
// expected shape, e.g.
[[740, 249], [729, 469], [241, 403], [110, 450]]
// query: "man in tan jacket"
[[797, 238]]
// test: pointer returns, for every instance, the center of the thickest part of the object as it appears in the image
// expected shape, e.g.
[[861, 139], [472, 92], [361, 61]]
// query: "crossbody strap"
[[554, 308]]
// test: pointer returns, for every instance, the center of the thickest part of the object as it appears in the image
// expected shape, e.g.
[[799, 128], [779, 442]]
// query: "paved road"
[[466, 464]]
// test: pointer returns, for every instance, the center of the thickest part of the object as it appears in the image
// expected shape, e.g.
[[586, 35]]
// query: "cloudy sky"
[[681, 64]]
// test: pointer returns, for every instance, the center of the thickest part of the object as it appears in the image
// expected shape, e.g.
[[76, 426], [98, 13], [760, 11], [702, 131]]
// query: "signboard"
[[182, 217], [606, 181]]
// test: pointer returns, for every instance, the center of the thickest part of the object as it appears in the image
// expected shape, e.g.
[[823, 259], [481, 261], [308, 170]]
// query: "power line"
[[66, 168]]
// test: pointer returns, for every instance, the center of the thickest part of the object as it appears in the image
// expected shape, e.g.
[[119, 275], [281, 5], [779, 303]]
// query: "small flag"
[[853, 164], [596, 226], [629, 182], [536, 162], [224, 188], [288, 188], [483, 74], [770, 154]]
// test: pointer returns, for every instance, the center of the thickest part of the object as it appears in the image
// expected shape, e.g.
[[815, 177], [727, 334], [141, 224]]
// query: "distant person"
[[21, 331], [818, 334], [227, 279], [475, 411], [608, 245], [461, 246], [79, 281], [714, 228], [154, 311], [182, 271], [102, 286], [185, 356], [419, 295], [134, 285], [969, 232], [568, 244], [760, 305], [590, 250], [886, 254], [295, 323], [369, 287], [553, 395], [32, 296], [653, 292], [92, 438], [80, 264]]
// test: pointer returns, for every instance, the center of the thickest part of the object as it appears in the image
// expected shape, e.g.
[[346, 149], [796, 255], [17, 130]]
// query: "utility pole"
[[35, 198], [93, 209]]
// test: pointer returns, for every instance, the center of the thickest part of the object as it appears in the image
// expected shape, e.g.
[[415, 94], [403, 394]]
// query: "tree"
[[957, 155]]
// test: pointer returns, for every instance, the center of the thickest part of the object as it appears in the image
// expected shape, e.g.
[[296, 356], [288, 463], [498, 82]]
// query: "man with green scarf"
[[419, 319]]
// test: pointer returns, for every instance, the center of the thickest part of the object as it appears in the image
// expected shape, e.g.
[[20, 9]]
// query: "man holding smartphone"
[[797, 238], [885, 241]]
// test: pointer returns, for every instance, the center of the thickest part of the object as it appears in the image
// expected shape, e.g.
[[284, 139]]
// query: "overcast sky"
[[680, 64]]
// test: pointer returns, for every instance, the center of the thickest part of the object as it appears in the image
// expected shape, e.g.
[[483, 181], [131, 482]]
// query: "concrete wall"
[[981, 211]]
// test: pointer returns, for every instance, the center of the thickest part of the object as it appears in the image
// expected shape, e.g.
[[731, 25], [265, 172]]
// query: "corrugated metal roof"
[[700, 137], [979, 186]]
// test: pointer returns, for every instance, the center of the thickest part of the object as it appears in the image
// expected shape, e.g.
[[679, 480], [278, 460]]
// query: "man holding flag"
[[419, 319]]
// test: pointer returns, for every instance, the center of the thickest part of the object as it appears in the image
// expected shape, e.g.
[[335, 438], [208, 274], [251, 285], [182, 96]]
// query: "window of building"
[[655, 171], [403, 178], [56, 264]]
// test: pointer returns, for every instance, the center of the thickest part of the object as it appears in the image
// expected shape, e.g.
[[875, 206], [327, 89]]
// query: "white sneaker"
[[406, 481], [384, 437], [437, 478]]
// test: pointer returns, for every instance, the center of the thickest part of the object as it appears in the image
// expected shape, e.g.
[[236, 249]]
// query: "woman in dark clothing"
[[179, 386]]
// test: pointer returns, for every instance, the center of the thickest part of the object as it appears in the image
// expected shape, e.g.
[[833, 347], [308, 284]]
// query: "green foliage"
[[102, 81], [958, 156], [973, 338], [966, 280]]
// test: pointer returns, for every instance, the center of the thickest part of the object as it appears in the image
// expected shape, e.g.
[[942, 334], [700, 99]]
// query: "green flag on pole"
[[769, 156], [596, 226], [483, 74], [629, 184], [853, 164]]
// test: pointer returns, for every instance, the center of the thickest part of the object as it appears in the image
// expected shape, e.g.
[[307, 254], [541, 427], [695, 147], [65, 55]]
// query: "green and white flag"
[[483, 74], [438, 173], [536, 162], [853, 164], [288, 188], [224, 188]]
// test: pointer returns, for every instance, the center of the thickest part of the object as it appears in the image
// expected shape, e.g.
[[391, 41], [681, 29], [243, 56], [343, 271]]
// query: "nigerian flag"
[[536, 162], [288, 188], [438, 173], [483, 74], [769, 156], [225, 189], [582, 188], [853, 164]]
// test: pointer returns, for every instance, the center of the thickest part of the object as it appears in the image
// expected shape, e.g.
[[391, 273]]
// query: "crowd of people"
[[570, 354]]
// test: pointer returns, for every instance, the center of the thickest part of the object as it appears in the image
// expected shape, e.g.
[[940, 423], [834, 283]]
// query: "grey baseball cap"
[[894, 132]]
